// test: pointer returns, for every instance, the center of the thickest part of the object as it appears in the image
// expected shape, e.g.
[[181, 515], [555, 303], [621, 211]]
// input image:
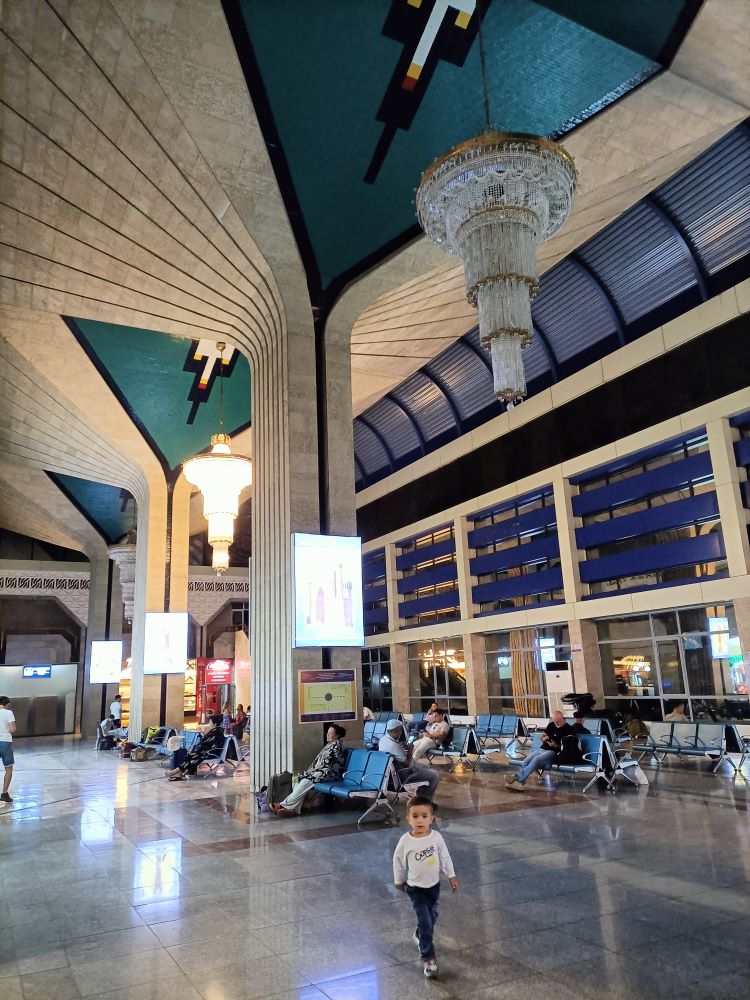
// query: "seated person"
[[435, 733], [367, 714], [422, 724], [394, 743], [178, 755], [240, 721], [677, 714], [106, 729], [327, 766], [578, 726], [210, 743], [551, 746]]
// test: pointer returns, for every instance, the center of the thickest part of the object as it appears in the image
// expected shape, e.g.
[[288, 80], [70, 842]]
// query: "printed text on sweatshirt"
[[420, 861]]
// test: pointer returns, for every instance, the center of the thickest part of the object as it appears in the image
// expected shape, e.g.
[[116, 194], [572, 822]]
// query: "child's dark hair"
[[420, 800]]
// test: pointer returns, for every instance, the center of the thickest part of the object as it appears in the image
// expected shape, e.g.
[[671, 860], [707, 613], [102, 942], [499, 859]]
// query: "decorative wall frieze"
[[70, 588]]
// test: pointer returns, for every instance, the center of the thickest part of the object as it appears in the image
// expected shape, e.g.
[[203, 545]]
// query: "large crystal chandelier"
[[492, 201], [221, 477]]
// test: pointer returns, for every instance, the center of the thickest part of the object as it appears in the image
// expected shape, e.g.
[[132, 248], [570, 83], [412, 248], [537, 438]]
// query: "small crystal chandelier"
[[492, 201], [221, 477]]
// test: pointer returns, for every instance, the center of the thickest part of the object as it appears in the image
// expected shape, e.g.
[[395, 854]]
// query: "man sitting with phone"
[[551, 744], [434, 735]]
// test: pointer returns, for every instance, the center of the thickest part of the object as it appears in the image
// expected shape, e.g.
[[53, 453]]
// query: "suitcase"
[[279, 786]]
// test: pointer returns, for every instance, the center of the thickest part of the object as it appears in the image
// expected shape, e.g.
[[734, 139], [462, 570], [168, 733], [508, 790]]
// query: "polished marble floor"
[[116, 883]]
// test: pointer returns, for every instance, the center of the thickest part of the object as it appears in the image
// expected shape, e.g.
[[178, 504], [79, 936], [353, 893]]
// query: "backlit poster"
[[165, 647], [327, 590], [327, 695], [106, 661]]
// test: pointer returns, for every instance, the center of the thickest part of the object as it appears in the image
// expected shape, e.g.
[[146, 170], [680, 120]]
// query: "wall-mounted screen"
[[37, 670], [327, 590], [165, 648], [106, 661]]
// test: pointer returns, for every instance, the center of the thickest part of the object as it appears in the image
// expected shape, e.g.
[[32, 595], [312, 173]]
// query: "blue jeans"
[[536, 762], [425, 903]]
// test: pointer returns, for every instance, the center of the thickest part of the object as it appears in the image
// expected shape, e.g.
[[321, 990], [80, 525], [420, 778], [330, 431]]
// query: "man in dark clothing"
[[551, 743], [578, 726]]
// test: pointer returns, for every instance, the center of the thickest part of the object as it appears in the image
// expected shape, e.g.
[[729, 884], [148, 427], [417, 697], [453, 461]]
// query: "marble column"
[[476, 675], [400, 678], [586, 664]]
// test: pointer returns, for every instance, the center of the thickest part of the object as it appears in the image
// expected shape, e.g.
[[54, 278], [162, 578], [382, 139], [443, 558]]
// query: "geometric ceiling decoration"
[[109, 509], [355, 99], [168, 386], [685, 242]]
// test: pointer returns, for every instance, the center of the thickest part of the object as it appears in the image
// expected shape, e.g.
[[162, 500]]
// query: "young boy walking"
[[418, 861]]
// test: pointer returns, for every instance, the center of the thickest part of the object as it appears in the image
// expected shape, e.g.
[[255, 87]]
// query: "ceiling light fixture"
[[221, 477], [491, 201]]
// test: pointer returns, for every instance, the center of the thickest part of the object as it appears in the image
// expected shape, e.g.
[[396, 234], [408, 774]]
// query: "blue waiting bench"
[[366, 775], [373, 732], [705, 740], [461, 741], [599, 762]]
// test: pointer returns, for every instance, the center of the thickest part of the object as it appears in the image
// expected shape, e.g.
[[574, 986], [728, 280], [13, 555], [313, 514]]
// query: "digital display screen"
[[327, 590], [106, 661], [719, 629], [37, 670], [165, 647]]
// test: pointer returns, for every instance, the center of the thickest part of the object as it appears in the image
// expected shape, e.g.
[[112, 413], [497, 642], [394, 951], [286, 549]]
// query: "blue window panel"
[[375, 616], [420, 606], [638, 457], [671, 515], [521, 555], [466, 377], [742, 451], [427, 404], [427, 578], [651, 483], [586, 319], [375, 593], [653, 586], [741, 420], [535, 520], [369, 450], [685, 552], [435, 551], [640, 260], [373, 572], [745, 490], [710, 198], [395, 427], [518, 586]]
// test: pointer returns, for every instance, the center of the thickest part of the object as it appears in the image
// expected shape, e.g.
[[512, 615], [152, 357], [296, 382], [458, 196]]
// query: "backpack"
[[279, 786], [571, 751]]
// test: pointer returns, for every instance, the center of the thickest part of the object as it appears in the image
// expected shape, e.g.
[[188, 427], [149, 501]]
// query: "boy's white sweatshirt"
[[419, 861]]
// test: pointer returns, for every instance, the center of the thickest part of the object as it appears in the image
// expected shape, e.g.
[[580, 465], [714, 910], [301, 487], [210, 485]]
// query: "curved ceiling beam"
[[442, 386], [367, 422], [360, 469], [410, 416], [480, 352], [551, 356], [685, 242], [600, 287]]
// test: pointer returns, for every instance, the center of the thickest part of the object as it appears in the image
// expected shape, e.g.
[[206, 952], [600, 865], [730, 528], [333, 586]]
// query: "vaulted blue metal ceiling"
[[686, 242]]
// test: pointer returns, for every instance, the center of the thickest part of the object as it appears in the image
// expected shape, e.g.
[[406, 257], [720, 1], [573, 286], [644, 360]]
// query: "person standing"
[[7, 729], [420, 858], [115, 709]]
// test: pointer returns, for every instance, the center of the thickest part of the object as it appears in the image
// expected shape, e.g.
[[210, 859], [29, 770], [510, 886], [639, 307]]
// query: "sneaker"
[[5, 797], [514, 785], [431, 969]]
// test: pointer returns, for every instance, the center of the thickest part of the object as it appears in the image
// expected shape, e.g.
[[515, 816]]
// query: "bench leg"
[[381, 800], [719, 762]]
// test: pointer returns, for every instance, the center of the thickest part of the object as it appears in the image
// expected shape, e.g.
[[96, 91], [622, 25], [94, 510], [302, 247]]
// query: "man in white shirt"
[[435, 733], [394, 743], [116, 709], [7, 729]]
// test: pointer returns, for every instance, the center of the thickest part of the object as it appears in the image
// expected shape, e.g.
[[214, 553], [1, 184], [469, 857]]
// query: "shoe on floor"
[[513, 784], [5, 797], [431, 969]]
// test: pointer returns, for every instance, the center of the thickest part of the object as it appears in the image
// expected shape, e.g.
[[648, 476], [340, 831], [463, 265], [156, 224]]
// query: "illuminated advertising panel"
[[327, 590], [165, 647], [106, 661]]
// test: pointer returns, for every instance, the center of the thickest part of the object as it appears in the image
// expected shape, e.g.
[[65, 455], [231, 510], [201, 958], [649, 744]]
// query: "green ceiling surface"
[[101, 504], [146, 370], [325, 67]]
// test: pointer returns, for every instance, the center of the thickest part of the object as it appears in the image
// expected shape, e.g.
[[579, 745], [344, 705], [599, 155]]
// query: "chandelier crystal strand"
[[492, 201]]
